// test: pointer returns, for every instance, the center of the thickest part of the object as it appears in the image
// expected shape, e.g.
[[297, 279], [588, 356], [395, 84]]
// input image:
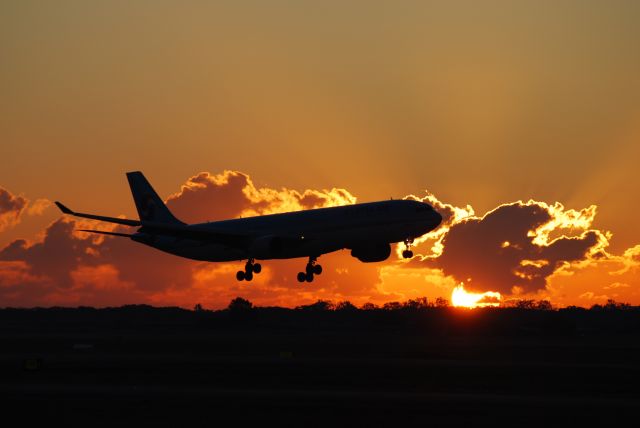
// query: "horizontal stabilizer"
[[104, 232], [116, 220]]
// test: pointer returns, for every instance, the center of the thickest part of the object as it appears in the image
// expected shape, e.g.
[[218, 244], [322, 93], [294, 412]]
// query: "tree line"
[[240, 303]]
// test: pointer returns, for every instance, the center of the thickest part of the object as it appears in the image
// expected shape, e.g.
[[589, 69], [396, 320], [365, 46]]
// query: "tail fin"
[[150, 206]]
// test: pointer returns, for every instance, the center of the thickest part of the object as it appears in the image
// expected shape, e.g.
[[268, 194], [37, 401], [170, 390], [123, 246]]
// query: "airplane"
[[366, 229]]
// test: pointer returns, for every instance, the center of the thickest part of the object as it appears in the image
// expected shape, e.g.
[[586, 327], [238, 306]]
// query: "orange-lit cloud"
[[450, 215], [614, 277], [80, 268], [38, 206], [517, 249], [231, 194]]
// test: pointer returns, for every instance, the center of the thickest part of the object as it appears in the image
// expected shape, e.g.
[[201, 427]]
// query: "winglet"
[[63, 208]]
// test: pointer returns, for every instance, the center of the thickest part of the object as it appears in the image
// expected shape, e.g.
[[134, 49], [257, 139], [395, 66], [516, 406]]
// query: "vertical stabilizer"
[[150, 206]]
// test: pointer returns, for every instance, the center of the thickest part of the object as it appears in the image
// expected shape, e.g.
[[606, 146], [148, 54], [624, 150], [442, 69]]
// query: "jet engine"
[[372, 253]]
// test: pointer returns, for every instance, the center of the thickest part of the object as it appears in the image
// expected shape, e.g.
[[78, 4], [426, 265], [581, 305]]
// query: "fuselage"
[[302, 233]]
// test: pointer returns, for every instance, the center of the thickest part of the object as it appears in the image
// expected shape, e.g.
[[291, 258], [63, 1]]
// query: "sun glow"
[[462, 298]]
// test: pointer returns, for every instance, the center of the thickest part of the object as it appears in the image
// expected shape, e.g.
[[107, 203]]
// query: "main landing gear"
[[407, 253], [311, 270], [249, 269]]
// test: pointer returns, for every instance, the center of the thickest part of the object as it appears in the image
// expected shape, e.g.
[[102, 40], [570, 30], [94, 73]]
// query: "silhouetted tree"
[[441, 302], [543, 305], [198, 308], [525, 304], [369, 307], [240, 304], [392, 306], [613, 305], [320, 305], [345, 306], [418, 303]]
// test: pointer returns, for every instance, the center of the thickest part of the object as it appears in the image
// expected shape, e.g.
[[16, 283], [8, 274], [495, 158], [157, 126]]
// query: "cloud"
[[450, 215], [207, 196], [612, 277], [11, 208], [513, 248], [73, 268], [517, 248], [56, 255], [38, 206], [615, 285]]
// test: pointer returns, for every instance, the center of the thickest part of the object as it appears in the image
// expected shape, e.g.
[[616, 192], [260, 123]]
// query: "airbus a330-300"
[[366, 229]]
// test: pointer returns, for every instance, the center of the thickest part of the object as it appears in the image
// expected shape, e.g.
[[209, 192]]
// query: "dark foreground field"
[[432, 366]]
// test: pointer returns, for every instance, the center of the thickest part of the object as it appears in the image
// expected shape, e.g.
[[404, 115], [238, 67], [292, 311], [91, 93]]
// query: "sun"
[[462, 298]]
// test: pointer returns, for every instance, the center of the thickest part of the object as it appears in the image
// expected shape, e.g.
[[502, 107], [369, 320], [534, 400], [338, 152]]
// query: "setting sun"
[[462, 298]]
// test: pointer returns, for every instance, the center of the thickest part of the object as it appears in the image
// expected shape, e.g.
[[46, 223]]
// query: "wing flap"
[[104, 232]]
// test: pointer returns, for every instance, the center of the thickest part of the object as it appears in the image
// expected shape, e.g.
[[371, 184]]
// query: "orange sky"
[[481, 104]]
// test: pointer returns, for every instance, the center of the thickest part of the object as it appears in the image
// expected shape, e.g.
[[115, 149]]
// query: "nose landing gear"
[[407, 253], [312, 269], [249, 269]]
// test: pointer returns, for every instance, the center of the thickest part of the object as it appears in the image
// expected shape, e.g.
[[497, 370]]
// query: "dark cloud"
[[56, 256], [501, 251], [511, 246], [206, 197], [11, 208], [68, 267], [231, 194]]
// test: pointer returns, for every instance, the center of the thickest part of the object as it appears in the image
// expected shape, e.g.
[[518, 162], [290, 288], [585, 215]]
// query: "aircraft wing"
[[205, 234], [116, 220], [197, 233]]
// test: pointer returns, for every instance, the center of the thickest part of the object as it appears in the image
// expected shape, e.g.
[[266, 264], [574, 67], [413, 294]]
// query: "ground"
[[316, 368]]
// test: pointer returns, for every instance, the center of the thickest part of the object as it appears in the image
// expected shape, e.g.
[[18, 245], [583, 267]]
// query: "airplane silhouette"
[[367, 229]]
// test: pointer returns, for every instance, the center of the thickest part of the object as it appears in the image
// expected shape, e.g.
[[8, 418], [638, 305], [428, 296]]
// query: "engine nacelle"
[[372, 253], [266, 247]]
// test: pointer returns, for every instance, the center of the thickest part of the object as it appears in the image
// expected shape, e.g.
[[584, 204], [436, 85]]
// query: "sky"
[[502, 110]]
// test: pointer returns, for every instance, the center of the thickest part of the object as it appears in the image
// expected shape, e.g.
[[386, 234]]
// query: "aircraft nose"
[[437, 218]]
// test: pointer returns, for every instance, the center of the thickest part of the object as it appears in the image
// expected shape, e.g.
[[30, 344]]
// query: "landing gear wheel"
[[312, 268], [249, 269], [407, 253]]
